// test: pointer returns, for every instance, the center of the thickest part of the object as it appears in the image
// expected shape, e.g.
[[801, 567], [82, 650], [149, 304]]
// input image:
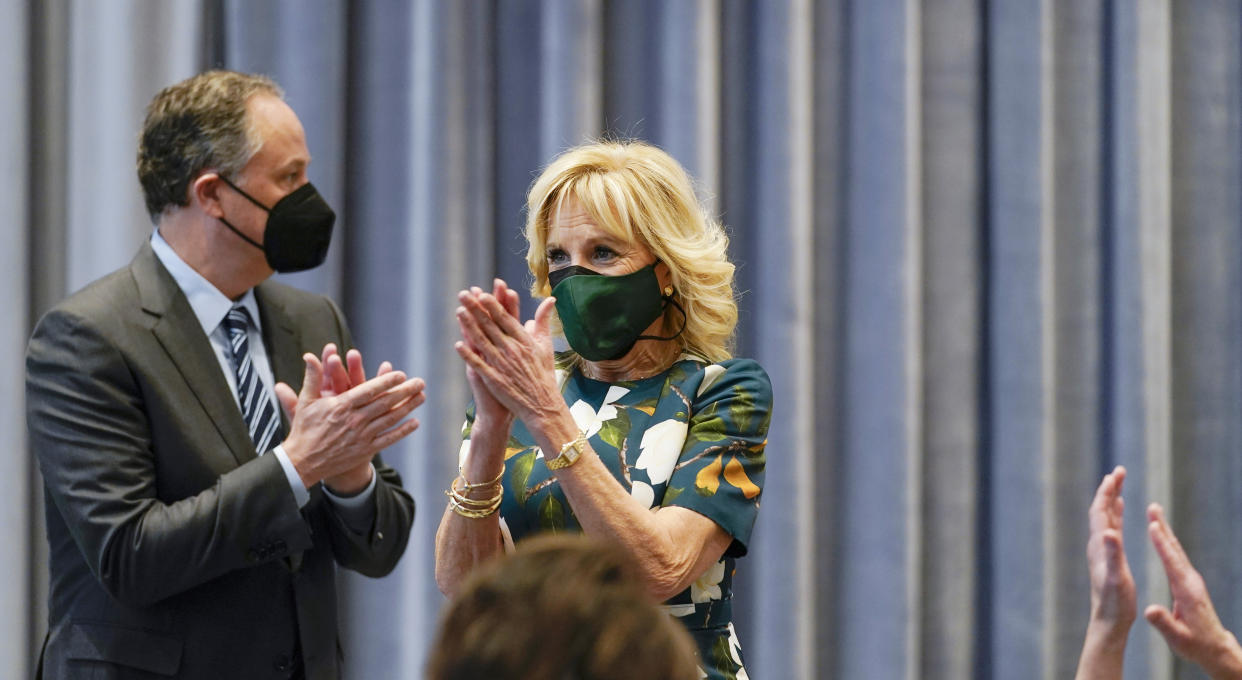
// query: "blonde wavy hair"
[[637, 192]]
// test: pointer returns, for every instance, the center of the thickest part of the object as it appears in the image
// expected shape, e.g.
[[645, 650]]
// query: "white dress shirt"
[[210, 307]]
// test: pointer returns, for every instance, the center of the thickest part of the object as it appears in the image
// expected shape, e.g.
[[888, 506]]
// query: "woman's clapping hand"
[[511, 362]]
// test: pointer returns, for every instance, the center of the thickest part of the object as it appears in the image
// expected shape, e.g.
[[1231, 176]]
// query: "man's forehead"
[[278, 128]]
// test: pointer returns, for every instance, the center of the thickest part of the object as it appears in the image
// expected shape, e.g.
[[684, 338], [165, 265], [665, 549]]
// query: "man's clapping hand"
[[340, 420]]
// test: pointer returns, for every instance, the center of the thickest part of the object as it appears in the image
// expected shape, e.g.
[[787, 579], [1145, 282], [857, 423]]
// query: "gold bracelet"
[[470, 507], [472, 513], [467, 486], [461, 497]]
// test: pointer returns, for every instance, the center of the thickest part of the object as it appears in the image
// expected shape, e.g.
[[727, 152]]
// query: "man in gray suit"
[[194, 529]]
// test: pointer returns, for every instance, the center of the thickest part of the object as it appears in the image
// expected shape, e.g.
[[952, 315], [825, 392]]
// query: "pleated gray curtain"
[[986, 249]]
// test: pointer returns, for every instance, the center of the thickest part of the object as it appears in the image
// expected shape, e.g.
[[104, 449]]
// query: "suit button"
[[283, 663], [379, 535]]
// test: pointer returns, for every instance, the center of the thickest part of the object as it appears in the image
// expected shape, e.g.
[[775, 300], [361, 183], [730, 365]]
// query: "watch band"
[[569, 454]]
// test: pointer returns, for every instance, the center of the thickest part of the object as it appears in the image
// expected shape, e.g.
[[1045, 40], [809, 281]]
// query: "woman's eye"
[[556, 257], [604, 253]]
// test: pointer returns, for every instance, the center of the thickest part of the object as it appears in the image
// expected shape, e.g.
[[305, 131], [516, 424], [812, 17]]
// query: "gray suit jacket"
[[176, 551]]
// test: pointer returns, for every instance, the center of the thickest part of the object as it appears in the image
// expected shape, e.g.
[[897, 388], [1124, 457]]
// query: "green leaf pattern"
[[551, 514], [613, 431], [519, 472]]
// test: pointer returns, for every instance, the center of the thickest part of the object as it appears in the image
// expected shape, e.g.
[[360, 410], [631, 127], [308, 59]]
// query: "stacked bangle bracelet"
[[469, 507]]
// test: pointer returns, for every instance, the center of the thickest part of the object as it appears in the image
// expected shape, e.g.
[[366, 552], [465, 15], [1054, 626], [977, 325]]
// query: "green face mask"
[[604, 316]]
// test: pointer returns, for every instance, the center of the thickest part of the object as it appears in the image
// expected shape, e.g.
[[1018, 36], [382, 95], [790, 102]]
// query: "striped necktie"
[[257, 408]]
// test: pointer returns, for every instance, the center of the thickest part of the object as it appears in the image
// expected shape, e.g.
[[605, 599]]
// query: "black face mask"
[[299, 229]]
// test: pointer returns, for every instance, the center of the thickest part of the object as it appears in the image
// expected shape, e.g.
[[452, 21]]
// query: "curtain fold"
[[18, 619], [986, 251]]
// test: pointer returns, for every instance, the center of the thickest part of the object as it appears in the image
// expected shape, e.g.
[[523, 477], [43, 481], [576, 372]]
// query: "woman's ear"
[[664, 274]]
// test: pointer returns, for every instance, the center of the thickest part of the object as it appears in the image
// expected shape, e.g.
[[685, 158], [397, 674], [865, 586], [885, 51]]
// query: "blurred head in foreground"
[[561, 608]]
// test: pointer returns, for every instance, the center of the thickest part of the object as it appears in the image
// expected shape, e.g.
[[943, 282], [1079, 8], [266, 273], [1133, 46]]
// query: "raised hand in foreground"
[[1113, 607], [1191, 628]]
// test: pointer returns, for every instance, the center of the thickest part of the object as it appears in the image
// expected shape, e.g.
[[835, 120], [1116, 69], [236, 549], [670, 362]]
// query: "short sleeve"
[[720, 471]]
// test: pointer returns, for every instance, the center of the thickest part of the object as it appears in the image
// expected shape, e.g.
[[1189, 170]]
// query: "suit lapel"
[[190, 351]]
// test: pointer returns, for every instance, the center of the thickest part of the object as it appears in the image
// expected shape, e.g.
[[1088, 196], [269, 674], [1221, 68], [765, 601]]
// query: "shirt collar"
[[209, 304]]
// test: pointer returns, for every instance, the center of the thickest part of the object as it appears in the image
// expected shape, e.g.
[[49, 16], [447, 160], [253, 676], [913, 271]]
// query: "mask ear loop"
[[250, 198], [668, 299]]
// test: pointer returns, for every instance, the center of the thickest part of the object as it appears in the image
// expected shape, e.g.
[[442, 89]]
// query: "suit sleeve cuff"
[[358, 510], [300, 494]]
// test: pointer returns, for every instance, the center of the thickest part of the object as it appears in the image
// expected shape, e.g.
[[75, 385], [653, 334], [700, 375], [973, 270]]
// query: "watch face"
[[568, 455]]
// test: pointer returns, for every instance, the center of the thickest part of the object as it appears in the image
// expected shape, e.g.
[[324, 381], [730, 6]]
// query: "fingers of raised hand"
[[288, 399], [372, 389], [362, 422], [336, 379], [353, 361], [485, 373], [382, 421], [473, 361], [539, 327], [1175, 632], [507, 296], [312, 381], [401, 400], [488, 315], [501, 316], [1114, 551], [1176, 563], [1107, 507], [471, 332], [391, 436], [328, 351]]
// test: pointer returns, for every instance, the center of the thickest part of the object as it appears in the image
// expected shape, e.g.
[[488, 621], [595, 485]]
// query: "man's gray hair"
[[197, 124]]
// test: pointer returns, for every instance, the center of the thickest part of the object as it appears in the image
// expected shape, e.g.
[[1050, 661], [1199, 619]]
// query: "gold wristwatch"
[[569, 453]]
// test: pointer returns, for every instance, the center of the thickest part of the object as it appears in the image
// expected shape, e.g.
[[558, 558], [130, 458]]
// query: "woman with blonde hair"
[[645, 433]]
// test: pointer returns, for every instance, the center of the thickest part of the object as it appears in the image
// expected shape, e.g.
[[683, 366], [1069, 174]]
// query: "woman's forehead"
[[572, 215]]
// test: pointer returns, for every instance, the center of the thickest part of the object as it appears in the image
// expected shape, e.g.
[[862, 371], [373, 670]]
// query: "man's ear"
[[205, 191]]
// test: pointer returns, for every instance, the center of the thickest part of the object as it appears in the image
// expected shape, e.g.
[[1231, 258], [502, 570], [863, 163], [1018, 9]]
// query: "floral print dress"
[[692, 437]]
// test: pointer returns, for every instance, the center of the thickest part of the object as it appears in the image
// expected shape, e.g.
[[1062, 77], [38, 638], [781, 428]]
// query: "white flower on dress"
[[588, 419], [463, 453], [707, 586], [710, 375], [735, 650], [643, 492], [660, 448]]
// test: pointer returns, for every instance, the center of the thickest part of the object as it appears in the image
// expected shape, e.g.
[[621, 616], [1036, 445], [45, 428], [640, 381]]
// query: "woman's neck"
[[645, 359]]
